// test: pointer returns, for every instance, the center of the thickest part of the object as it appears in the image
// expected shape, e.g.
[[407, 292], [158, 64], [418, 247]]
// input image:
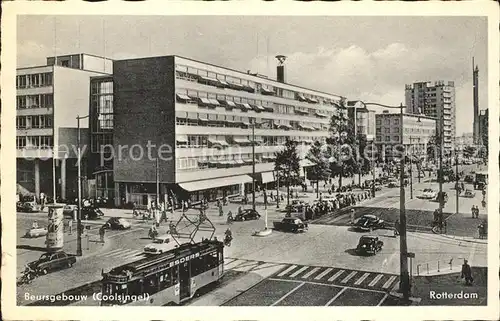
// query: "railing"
[[438, 266]]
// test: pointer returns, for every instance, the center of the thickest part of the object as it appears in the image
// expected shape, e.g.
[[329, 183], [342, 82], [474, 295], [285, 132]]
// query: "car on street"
[[36, 232], [160, 244], [393, 183], [368, 223], [52, 261], [378, 187], [369, 244], [247, 215], [428, 194], [290, 224], [118, 223], [28, 207], [468, 193], [469, 178]]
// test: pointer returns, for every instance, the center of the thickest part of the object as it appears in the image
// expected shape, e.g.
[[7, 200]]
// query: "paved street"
[[318, 267]]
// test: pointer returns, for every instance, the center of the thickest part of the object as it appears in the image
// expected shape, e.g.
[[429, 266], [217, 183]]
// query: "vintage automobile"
[[88, 212], [469, 178], [393, 183], [28, 207], [52, 261], [369, 244], [160, 245], [36, 232], [428, 193], [468, 193], [118, 223], [247, 215], [290, 224], [368, 223]]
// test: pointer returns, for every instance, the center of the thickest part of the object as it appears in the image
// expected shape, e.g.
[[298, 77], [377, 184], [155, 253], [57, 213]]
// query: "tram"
[[169, 278]]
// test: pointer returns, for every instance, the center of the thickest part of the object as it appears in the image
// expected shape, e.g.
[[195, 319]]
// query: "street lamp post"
[[404, 285], [79, 218], [373, 169], [253, 166], [456, 181], [440, 170]]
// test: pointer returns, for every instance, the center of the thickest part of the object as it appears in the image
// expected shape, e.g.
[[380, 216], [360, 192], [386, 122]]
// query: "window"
[[20, 122], [21, 102], [21, 81], [35, 122], [34, 80], [20, 142], [387, 138], [46, 79], [396, 138], [396, 121], [387, 130], [396, 130], [387, 121], [47, 101]]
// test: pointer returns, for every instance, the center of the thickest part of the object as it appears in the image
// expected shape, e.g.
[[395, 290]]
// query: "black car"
[[368, 223], [290, 224], [52, 261], [369, 244], [246, 215]]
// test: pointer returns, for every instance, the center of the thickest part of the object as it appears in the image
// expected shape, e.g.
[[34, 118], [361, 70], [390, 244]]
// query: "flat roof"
[[81, 53], [234, 70]]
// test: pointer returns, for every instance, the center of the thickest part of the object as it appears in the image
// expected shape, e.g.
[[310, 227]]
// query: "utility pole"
[[456, 180], [373, 169], [253, 164], [440, 170], [404, 285]]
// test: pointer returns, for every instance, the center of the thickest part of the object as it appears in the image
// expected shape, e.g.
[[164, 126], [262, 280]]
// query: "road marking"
[[389, 282], [308, 274], [286, 295], [123, 253], [287, 270], [383, 299], [339, 273], [376, 279], [124, 232], [330, 285], [361, 279], [335, 297], [347, 278], [109, 252], [322, 274], [233, 264], [294, 274]]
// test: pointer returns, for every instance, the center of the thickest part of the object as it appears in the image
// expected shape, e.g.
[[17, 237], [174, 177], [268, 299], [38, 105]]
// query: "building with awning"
[[213, 183]]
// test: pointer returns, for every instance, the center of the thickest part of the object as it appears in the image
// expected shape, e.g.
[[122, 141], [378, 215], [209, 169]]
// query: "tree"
[[321, 169], [287, 165]]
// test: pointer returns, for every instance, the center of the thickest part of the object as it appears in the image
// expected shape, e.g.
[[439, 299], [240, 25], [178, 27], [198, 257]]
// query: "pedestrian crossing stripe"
[[287, 270], [389, 282], [322, 274], [347, 278], [339, 273], [308, 274], [109, 252], [302, 269], [375, 280], [361, 279]]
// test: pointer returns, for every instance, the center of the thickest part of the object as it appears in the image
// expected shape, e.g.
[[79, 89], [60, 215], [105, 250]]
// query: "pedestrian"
[[353, 216], [477, 211], [221, 212], [467, 273], [42, 201], [396, 228], [102, 231], [70, 226], [473, 211]]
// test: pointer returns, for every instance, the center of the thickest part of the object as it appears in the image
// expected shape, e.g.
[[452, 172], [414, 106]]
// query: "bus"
[[169, 278], [481, 180]]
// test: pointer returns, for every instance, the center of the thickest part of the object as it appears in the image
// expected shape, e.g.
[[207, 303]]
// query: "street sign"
[[410, 255]]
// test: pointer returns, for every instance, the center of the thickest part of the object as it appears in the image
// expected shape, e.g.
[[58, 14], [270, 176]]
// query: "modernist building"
[[199, 117], [417, 131], [483, 126], [362, 118], [435, 100], [49, 98], [467, 139]]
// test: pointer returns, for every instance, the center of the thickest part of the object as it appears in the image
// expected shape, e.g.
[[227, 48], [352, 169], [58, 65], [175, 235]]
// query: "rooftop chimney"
[[280, 69]]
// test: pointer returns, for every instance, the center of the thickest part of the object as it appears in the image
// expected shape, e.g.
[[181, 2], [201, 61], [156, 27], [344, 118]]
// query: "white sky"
[[367, 58]]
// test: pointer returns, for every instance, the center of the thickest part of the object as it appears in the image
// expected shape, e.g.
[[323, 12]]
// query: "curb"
[[451, 237]]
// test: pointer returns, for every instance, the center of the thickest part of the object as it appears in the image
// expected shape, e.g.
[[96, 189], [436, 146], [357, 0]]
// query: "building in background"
[[417, 132], [200, 115], [475, 96], [362, 118], [435, 100], [467, 139], [483, 127], [49, 98]]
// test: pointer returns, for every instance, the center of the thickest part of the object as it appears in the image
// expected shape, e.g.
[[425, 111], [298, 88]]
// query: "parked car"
[[52, 261], [469, 178], [28, 207], [393, 183], [118, 223], [468, 193], [160, 245], [369, 244], [36, 232], [368, 223], [290, 224], [428, 194], [247, 215]]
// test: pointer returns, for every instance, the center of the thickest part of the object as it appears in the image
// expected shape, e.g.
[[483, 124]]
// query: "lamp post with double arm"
[[404, 285], [79, 217]]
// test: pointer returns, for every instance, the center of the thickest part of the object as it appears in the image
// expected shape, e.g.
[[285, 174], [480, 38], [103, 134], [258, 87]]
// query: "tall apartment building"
[[49, 98], [417, 131], [362, 118], [483, 126], [201, 116], [435, 100]]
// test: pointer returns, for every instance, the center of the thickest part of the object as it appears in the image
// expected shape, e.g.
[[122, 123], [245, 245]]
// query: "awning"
[[246, 106], [202, 119], [205, 101], [217, 142], [181, 138], [285, 126], [241, 140], [267, 177], [213, 183], [313, 100], [183, 97], [239, 161], [245, 123], [257, 107], [300, 111], [223, 82], [306, 163], [321, 114], [208, 79], [266, 91], [301, 97], [214, 102], [230, 103], [269, 109]]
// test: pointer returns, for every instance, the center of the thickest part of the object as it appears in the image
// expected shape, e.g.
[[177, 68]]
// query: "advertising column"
[[55, 228]]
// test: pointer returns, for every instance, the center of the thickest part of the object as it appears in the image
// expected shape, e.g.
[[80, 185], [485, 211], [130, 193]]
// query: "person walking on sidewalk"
[[353, 216], [102, 231], [467, 273], [396, 228], [70, 226], [473, 211]]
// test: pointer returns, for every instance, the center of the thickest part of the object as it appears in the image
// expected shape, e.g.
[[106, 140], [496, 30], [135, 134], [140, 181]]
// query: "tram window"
[[165, 280], [134, 288], [211, 260], [197, 266], [151, 284], [175, 275]]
